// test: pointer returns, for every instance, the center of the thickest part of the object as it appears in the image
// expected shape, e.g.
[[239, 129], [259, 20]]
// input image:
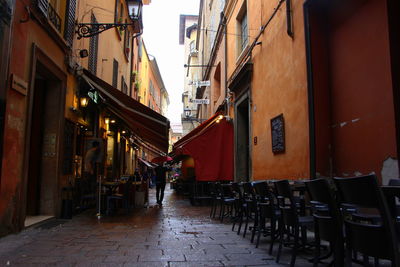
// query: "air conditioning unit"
[[43, 6]]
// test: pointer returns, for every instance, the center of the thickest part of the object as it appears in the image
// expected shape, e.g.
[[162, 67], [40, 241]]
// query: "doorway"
[[242, 136], [352, 125], [45, 121]]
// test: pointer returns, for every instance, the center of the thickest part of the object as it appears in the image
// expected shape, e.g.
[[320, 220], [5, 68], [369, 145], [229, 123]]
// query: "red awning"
[[146, 124], [211, 147]]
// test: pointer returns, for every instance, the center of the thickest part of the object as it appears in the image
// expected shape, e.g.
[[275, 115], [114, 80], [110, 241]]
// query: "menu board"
[[278, 134]]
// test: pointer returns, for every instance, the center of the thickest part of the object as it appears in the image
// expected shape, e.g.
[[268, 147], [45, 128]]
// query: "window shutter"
[[70, 22], [43, 6], [93, 49], [115, 74]]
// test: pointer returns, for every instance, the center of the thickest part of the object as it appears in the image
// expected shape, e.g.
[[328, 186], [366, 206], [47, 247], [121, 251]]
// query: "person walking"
[[161, 171]]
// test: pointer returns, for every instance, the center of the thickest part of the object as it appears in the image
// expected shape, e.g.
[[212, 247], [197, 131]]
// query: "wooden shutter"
[[70, 22], [93, 49], [115, 74]]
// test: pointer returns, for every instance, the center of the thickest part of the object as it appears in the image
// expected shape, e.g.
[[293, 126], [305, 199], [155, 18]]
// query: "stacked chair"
[[350, 214]]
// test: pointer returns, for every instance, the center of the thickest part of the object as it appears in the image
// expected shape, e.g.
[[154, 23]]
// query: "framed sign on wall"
[[278, 134]]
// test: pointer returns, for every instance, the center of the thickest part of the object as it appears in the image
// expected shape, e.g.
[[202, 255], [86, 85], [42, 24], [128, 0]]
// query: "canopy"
[[211, 147], [146, 124], [148, 164]]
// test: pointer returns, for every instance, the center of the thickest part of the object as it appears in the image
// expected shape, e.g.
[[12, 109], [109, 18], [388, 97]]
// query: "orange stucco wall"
[[24, 36], [361, 96], [278, 78]]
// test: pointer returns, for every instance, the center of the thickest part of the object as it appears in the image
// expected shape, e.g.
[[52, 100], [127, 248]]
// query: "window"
[[243, 31], [115, 74], [70, 22], [242, 28], [124, 86], [93, 49], [127, 37]]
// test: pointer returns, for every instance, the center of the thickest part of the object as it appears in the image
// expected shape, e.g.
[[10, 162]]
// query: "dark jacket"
[[161, 174]]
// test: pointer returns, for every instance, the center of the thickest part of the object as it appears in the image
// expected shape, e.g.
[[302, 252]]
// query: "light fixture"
[[107, 120], [123, 132], [187, 112], [86, 30], [112, 121], [84, 101], [83, 53]]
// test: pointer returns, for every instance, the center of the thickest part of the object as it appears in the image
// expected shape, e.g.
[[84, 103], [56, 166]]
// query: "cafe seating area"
[[334, 222]]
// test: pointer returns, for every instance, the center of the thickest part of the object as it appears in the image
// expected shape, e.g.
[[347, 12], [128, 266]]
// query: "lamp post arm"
[[86, 30]]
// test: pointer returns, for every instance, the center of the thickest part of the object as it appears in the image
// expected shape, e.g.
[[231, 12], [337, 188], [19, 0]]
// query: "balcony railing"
[[49, 12]]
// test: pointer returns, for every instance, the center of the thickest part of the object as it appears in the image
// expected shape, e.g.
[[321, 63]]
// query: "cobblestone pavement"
[[176, 234]]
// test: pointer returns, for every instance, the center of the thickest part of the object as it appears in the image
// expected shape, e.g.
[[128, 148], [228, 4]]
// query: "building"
[[303, 89], [67, 93], [187, 38]]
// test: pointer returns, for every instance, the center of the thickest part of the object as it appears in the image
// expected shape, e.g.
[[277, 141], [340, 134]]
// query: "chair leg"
[[246, 223], [317, 247], [212, 208], [281, 237], [295, 247], [222, 213], [240, 221], [273, 226]]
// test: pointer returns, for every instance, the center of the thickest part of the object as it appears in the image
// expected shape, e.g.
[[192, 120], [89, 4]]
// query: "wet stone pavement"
[[176, 234]]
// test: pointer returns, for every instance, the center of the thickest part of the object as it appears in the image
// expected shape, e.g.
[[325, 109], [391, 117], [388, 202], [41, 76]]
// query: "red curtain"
[[212, 151]]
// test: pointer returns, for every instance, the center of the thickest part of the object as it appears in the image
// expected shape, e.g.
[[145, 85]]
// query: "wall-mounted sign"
[[19, 85], [200, 83], [94, 96], [200, 101], [278, 134]]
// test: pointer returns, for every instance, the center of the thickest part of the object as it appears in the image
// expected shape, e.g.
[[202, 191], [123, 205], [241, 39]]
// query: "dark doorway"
[[43, 164], [242, 135], [352, 123]]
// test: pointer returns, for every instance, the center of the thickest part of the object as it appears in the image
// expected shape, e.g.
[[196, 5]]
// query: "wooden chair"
[[365, 233], [327, 220]]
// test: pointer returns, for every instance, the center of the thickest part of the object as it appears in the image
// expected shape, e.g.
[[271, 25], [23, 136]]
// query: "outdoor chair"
[[239, 204], [267, 210], [250, 206], [370, 228], [216, 197], [328, 223], [227, 201], [123, 196], [293, 221]]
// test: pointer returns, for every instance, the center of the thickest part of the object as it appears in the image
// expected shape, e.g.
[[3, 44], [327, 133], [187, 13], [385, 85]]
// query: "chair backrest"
[[374, 238], [325, 209], [248, 190], [237, 190], [226, 191], [262, 190], [394, 182], [286, 202]]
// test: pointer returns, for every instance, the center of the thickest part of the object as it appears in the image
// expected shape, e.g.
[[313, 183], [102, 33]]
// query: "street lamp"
[[187, 112], [86, 30]]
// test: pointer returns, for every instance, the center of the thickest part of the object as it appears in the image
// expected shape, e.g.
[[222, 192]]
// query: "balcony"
[[50, 13]]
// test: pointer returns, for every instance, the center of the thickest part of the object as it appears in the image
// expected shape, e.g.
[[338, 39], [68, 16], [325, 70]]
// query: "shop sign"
[[94, 95], [201, 101], [200, 83], [19, 84]]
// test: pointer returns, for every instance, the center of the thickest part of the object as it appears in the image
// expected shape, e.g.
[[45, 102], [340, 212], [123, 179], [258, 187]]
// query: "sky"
[[161, 37]]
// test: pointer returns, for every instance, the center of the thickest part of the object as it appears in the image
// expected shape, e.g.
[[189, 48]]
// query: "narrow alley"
[[177, 234]]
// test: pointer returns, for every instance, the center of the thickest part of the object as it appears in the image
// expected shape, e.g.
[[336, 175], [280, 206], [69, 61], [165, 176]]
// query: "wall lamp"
[[84, 101], [86, 30]]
